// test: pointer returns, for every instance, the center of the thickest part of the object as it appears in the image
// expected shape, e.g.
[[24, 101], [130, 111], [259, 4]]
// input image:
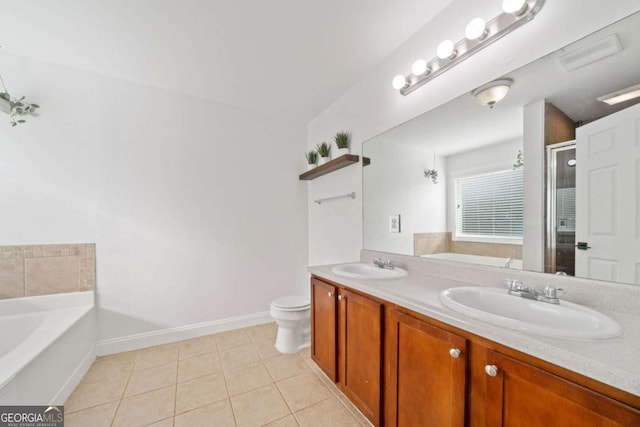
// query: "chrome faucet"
[[507, 263], [517, 288], [388, 264]]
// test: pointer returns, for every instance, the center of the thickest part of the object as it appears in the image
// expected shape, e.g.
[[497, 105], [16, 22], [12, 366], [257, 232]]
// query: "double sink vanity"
[[436, 343]]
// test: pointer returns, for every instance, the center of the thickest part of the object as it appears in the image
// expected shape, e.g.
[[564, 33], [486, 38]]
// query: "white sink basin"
[[360, 270], [564, 320]]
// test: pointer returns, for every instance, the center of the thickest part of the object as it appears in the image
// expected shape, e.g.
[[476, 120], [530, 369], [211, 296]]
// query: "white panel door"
[[608, 197]]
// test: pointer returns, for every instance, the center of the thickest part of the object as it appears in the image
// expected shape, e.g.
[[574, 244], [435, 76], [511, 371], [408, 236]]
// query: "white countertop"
[[615, 361]]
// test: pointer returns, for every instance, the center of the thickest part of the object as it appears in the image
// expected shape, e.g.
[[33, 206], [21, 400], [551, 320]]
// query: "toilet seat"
[[291, 303]]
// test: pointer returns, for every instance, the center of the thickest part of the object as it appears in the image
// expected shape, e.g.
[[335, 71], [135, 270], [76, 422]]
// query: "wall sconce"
[[493, 92], [478, 35]]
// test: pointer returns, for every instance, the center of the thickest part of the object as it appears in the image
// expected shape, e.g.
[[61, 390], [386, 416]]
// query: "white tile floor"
[[234, 378]]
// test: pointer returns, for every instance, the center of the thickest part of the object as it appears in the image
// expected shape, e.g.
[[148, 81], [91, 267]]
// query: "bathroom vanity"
[[405, 360]]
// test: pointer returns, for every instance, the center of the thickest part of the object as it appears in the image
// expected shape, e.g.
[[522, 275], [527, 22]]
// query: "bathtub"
[[46, 346], [477, 259]]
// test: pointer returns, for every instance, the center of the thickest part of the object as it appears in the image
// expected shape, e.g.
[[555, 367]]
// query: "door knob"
[[491, 370], [454, 353], [583, 246]]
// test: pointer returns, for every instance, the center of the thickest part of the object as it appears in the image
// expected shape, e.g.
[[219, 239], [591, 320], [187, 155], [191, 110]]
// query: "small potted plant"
[[15, 107], [342, 142], [324, 150], [312, 159]]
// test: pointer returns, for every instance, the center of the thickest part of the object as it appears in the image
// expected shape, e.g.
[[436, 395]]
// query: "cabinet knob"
[[491, 370], [331, 294], [454, 353], [341, 297]]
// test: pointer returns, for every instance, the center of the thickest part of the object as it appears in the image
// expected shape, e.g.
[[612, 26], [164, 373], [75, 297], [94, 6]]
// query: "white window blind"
[[490, 205]]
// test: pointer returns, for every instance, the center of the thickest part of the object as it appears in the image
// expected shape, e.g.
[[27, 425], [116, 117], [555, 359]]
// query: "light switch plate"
[[394, 223]]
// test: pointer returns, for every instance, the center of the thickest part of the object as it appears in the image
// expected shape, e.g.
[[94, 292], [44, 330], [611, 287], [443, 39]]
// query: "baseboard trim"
[[164, 336], [73, 381]]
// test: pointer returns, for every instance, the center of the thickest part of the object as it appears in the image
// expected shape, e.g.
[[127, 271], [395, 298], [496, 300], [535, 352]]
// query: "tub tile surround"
[[434, 243], [210, 381], [30, 270], [613, 361]]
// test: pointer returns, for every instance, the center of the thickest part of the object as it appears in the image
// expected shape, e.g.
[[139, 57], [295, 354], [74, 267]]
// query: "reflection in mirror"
[[473, 210]]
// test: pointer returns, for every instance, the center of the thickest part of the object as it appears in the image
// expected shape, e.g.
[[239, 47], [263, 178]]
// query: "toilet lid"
[[291, 302]]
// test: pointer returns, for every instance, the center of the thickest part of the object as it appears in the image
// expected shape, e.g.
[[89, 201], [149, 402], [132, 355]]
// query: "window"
[[490, 206]]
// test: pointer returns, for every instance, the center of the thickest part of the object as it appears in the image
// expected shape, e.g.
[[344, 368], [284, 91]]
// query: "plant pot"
[[343, 151], [311, 166], [323, 160], [5, 107]]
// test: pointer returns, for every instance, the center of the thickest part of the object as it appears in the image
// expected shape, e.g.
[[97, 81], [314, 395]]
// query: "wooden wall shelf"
[[330, 166]]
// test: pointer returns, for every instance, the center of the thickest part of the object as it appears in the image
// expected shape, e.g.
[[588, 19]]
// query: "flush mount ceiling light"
[[478, 35], [621, 95], [493, 92]]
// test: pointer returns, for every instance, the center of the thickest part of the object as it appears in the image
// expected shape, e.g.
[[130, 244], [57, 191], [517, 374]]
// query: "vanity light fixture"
[[621, 95], [476, 29], [446, 50], [399, 82], [517, 7], [491, 93], [478, 35], [419, 67]]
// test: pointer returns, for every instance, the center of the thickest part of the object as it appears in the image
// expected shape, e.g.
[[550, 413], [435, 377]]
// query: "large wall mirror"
[[452, 178]]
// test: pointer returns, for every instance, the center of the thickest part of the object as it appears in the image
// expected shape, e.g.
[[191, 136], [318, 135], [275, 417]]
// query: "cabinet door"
[[519, 394], [361, 352], [427, 374], [323, 327]]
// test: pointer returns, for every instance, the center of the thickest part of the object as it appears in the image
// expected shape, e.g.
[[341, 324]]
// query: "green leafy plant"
[[342, 139], [15, 107], [312, 157], [431, 173], [323, 149], [519, 160]]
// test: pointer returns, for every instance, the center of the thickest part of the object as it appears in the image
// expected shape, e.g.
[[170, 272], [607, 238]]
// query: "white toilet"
[[292, 313]]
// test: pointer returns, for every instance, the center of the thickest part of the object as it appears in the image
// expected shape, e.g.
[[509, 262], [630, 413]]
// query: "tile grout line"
[[226, 386], [115, 413], [308, 364], [337, 393], [175, 394]]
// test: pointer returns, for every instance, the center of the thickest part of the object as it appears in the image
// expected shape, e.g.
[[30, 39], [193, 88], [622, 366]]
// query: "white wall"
[[396, 185], [483, 160], [196, 208], [372, 106]]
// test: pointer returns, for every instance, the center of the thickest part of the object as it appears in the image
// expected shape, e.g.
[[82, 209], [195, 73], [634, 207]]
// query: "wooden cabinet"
[[427, 374], [324, 321], [360, 352], [434, 374], [517, 392], [347, 344]]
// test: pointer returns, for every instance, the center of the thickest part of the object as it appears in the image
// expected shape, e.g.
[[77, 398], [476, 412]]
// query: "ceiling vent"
[[593, 52]]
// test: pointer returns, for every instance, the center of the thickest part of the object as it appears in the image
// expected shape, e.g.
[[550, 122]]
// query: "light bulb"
[[476, 29], [517, 7], [445, 49], [399, 82], [419, 67]]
